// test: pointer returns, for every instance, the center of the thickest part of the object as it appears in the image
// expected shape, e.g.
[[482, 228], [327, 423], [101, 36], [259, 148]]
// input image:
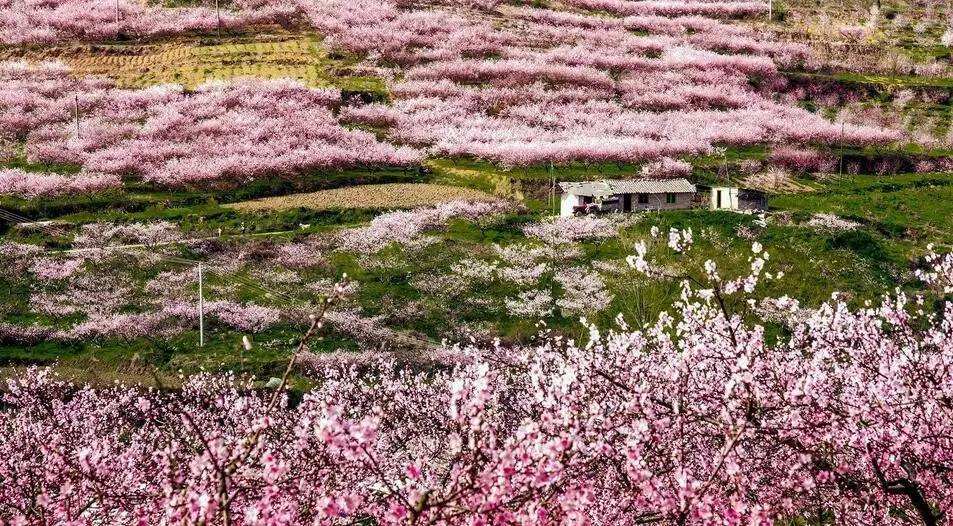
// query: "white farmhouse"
[[734, 198], [625, 195]]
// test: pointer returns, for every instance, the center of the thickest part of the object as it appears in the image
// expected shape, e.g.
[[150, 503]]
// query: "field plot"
[[192, 61], [383, 196]]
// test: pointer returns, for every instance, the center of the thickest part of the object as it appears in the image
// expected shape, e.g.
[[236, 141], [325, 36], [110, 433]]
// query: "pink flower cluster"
[[562, 230], [101, 235], [530, 304], [584, 292], [37, 21], [172, 318], [408, 227], [244, 317], [121, 326], [666, 167], [938, 271], [832, 223], [709, 8], [53, 269], [802, 160], [29, 185], [694, 419]]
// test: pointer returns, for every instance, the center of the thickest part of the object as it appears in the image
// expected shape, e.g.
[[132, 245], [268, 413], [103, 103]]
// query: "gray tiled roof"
[[628, 186]]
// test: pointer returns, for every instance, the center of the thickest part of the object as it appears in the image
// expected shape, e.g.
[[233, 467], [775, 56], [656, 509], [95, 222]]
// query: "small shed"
[[734, 198], [625, 195]]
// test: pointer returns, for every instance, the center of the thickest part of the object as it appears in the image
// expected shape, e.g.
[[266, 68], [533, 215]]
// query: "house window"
[[586, 200], [670, 198], [643, 199]]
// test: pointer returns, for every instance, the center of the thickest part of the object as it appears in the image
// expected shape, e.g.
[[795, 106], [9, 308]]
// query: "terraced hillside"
[[283, 262]]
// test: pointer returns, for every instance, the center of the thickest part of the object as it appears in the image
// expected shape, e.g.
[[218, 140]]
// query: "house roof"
[[628, 186]]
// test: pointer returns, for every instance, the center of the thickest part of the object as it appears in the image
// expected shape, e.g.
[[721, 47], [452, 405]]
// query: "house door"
[[717, 198], [626, 202]]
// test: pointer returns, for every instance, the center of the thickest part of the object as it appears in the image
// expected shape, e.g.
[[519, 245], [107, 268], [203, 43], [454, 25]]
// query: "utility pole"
[[201, 311], [724, 163], [770, 10], [117, 19], [218, 18]]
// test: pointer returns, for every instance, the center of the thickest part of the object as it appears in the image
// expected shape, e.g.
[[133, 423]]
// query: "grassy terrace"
[[890, 82]]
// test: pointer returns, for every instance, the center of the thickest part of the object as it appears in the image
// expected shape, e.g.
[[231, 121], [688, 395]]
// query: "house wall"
[[612, 204], [657, 202], [748, 200], [732, 200], [569, 201], [729, 198], [566, 204], [748, 204]]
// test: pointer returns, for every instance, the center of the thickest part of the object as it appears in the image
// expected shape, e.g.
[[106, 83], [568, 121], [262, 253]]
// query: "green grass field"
[[898, 216]]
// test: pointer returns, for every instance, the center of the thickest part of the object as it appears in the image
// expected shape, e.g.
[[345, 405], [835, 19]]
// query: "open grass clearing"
[[907, 207]]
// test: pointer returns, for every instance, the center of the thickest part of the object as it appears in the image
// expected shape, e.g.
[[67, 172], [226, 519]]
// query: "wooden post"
[[201, 311], [218, 18], [76, 112], [770, 10], [117, 19]]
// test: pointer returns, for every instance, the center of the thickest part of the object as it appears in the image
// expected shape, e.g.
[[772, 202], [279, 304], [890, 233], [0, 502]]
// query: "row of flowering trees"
[[33, 21], [697, 418], [96, 290], [28, 185], [561, 86], [220, 133], [41, 22]]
